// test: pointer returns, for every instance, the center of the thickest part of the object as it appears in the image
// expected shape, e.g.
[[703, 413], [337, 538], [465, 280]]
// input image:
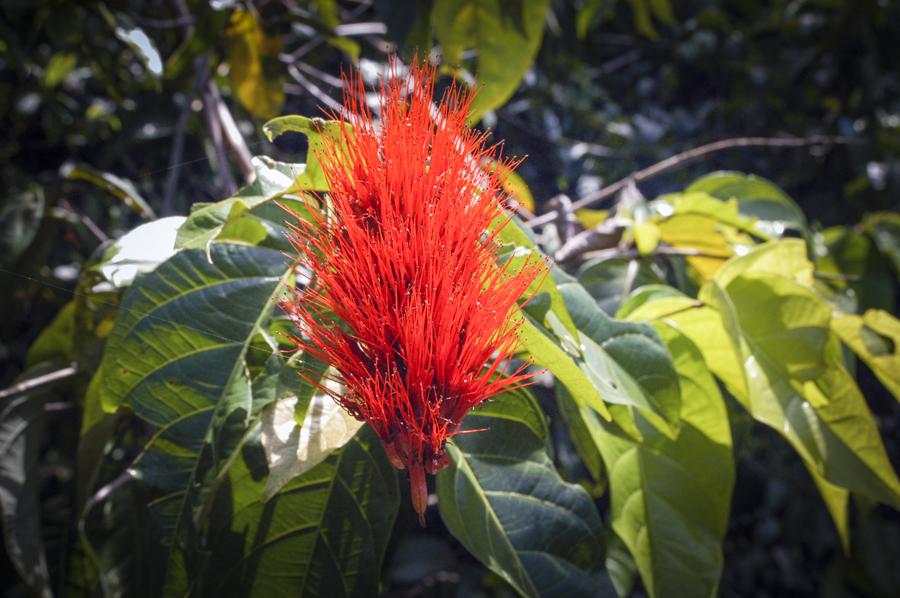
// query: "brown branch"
[[682, 159], [634, 253], [214, 127], [47, 379]]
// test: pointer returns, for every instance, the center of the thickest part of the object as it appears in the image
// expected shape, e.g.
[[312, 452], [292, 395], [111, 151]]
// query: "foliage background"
[[90, 89]]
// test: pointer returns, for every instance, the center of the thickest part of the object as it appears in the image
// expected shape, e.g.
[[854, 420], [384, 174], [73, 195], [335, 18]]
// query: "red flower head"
[[407, 301]]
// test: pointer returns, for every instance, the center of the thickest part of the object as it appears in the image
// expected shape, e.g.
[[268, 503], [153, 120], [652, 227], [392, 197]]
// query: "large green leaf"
[[670, 498], [503, 499], [875, 337], [757, 198], [323, 534], [506, 35], [768, 339], [178, 356]]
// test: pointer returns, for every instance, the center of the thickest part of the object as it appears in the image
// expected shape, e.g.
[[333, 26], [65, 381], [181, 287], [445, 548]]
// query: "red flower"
[[407, 301]]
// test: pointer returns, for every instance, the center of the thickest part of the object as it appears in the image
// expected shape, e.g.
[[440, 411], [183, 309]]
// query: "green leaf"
[[885, 230], [60, 65], [875, 337], [646, 237], [316, 131], [178, 357], [55, 341], [323, 534], [252, 216], [626, 361], [757, 198], [856, 264], [545, 350], [704, 204], [767, 338], [506, 35], [606, 280], [121, 188], [503, 499], [786, 258], [547, 305], [670, 498], [408, 24]]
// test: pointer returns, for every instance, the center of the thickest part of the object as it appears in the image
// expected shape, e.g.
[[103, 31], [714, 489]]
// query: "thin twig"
[[682, 159], [351, 29], [47, 379], [840, 277], [313, 89], [222, 167], [84, 220], [233, 136]]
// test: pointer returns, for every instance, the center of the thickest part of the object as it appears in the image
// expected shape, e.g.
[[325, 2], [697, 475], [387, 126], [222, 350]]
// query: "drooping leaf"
[[670, 498], [699, 233], [506, 35], [875, 338], [254, 68], [503, 499], [562, 360], [323, 534], [646, 237]]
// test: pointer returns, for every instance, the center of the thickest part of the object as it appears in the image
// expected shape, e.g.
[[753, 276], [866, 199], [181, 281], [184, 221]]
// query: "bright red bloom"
[[407, 301]]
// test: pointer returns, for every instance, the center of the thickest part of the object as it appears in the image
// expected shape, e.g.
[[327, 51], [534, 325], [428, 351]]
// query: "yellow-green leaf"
[[255, 70]]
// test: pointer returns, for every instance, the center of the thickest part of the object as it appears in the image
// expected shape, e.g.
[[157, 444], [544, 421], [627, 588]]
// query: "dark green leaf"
[[503, 499], [323, 534]]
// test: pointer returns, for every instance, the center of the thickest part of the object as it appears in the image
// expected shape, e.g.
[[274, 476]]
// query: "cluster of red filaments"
[[407, 301]]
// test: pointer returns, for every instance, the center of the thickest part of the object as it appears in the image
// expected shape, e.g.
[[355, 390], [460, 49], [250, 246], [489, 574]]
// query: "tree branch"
[[682, 159], [47, 379]]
